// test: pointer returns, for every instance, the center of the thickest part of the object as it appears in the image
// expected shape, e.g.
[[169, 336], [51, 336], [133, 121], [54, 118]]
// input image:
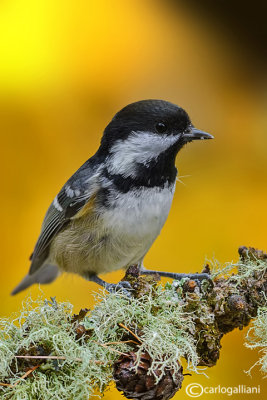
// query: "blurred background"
[[66, 67]]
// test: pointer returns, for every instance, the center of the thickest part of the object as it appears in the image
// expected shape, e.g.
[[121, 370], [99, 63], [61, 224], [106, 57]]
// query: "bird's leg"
[[123, 286], [175, 275]]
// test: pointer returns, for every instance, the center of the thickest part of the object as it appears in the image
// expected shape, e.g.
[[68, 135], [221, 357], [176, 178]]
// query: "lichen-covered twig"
[[45, 352], [257, 338]]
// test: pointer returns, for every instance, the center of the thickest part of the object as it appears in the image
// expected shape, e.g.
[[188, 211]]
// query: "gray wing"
[[71, 198]]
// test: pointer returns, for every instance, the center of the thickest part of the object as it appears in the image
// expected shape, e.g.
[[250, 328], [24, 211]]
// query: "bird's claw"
[[123, 286], [199, 277]]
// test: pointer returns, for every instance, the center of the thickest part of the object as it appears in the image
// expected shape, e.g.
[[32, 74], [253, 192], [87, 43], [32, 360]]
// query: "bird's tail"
[[46, 274]]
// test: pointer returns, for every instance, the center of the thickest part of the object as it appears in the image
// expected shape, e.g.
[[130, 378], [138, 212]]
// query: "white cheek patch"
[[139, 148]]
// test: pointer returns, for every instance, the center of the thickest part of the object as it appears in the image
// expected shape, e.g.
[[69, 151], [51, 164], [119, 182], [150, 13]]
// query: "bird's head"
[[145, 131]]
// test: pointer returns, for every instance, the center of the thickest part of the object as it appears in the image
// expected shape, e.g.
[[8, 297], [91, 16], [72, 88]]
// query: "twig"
[[26, 374], [56, 358], [123, 341], [131, 332], [6, 384], [20, 379], [111, 348]]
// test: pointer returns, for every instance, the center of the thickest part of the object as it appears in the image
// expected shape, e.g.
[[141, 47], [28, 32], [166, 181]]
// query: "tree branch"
[[140, 342]]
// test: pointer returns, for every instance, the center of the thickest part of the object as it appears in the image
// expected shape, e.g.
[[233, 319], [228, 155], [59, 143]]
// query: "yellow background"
[[66, 67]]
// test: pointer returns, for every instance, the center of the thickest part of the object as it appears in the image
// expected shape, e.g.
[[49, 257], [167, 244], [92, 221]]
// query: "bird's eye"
[[161, 127]]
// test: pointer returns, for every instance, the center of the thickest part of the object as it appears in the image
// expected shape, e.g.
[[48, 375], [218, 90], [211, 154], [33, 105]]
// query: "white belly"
[[119, 237], [136, 221]]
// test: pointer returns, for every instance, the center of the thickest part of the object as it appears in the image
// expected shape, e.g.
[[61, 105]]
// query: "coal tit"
[[109, 213]]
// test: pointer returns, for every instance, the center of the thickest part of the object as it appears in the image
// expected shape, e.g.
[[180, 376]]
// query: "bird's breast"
[[116, 234], [139, 213]]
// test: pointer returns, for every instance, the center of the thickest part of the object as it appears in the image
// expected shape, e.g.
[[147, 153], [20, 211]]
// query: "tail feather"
[[46, 274]]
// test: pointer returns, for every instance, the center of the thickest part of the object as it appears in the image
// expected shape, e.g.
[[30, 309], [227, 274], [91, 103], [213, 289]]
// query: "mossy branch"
[[45, 352]]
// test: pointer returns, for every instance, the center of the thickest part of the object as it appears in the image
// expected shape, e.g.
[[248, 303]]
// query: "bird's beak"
[[196, 134]]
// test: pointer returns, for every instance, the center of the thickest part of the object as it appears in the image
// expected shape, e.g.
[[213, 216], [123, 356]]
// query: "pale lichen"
[[72, 357], [156, 317], [47, 326], [257, 338]]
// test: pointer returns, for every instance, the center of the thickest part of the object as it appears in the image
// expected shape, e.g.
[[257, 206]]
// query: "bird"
[[110, 211]]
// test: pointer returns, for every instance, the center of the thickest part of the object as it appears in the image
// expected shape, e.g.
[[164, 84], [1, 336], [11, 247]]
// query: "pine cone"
[[139, 385]]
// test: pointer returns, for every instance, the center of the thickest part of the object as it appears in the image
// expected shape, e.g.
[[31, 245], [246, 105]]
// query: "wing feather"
[[69, 201]]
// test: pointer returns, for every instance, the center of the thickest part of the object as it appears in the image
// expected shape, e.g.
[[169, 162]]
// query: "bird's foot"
[[123, 286], [178, 276], [196, 276]]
